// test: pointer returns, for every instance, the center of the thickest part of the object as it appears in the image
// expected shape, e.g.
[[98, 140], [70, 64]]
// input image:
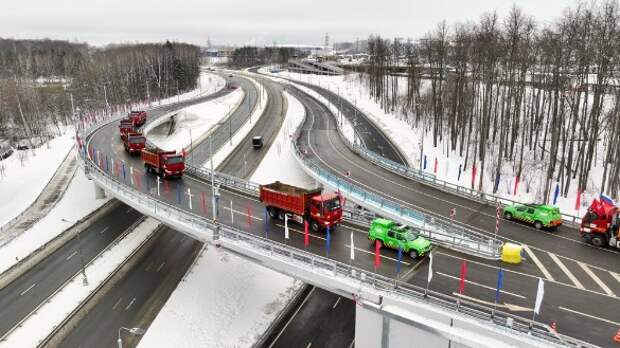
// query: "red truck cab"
[[599, 226], [125, 126], [166, 164], [321, 210], [138, 117], [133, 142]]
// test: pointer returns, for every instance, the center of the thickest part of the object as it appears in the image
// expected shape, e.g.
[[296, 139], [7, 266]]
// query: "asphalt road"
[[328, 150], [23, 295]]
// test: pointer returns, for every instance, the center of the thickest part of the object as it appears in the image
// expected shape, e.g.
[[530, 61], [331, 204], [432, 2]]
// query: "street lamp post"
[[134, 331], [79, 245]]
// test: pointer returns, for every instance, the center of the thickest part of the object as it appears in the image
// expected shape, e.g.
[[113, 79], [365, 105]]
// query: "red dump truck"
[[166, 164], [125, 126], [601, 224], [321, 210], [133, 142], [138, 117]]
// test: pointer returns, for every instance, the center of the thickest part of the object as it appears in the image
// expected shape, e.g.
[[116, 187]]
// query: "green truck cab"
[[538, 215], [394, 236]]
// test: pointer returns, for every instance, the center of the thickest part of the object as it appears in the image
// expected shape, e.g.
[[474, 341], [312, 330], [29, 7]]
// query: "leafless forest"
[[510, 90]]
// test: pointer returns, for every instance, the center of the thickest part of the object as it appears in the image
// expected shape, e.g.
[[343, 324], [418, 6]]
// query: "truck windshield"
[[137, 140], [174, 159], [332, 205]]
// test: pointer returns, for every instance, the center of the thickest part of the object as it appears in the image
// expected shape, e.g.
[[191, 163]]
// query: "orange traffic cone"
[[554, 327], [617, 337]]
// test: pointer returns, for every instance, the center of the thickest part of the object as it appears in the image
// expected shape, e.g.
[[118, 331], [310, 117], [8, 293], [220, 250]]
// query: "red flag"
[[249, 209], [473, 176], [377, 253], [517, 178], [166, 187], [203, 202], [578, 200], [463, 275], [137, 181], [436, 162], [306, 234]]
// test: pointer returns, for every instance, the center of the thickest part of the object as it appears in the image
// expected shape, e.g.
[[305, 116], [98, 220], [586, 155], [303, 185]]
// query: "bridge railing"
[[207, 230]]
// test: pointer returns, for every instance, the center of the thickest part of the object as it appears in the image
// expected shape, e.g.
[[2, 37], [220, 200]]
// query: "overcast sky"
[[246, 21]]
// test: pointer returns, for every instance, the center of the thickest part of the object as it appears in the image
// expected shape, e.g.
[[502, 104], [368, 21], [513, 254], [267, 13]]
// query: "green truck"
[[538, 215], [394, 236]]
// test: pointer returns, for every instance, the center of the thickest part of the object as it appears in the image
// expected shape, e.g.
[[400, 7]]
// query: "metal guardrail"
[[208, 230]]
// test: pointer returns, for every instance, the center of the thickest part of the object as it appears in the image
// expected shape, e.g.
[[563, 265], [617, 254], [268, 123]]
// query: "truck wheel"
[[413, 254], [507, 216], [314, 226], [598, 241], [587, 237], [281, 215], [538, 225], [273, 212]]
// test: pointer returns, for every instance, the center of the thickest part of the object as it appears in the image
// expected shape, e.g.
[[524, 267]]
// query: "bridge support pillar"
[[99, 192]]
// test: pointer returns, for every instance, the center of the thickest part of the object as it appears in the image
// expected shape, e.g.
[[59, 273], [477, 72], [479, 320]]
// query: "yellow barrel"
[[511, 253]]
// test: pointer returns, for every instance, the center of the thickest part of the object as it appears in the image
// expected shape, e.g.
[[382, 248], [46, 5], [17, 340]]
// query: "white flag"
[[352, 248], [539, 295], [286, 236], [430, 268]]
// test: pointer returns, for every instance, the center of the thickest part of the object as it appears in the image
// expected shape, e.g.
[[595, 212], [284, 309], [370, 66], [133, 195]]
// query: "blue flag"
[[424, 161], [266, 223], [400, 259], [107, 168], [328, 241], [124, 175], [500, 283], [556, 193], [460, 170]]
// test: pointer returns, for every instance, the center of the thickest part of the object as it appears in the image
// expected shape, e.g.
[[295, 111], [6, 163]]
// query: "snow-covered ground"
[[223, 301], [208, 83], [53, 312], [77, 202], [407, 137], [26, 173], [279, 155], [199, 118]]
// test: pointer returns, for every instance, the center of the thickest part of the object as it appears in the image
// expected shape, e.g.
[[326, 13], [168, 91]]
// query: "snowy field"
[[407, 138], [223, 301], [77, 202], [53, 312], [199, 119], [208, 83], [279, 155], [26, 173]]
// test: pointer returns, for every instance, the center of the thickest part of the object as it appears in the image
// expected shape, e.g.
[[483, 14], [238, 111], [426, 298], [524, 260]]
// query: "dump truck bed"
[[287, 197]]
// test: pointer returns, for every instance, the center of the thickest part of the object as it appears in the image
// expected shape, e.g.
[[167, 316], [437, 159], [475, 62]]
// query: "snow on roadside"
[[407, 139], [77, 202], [207, 84], [199, 118], [279, 155], [21, 184], [52, 313], [242, 132], [223, 301]]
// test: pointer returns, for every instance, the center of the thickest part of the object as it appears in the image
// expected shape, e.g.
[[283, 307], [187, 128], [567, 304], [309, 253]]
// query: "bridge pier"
[[99, 192]]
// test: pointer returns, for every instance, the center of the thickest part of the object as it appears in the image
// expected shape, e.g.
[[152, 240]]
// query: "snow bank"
[[199, 118], [223, 301], [26, 173], [77, 202], [411, 140], [279, 163], [52, 313]]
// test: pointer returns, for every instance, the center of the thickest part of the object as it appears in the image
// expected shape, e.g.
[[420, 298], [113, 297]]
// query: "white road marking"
[[149, 266], [596, 279], [72, 255], [29, 288], [117, 303], [129, 210], [302, 232], [335, 304], [616, 276], [614, 323], [509, 306], [372, 253], [482, 285], [309, 345], [104, 230], [292, 317], [539, 264], [352, 343], [130, 303], [565, 269], [160, 266]]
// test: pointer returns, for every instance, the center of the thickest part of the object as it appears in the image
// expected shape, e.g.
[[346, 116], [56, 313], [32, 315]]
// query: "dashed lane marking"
[[130, 303], [104, 230], [292, 317], [614, 323], [160, 266], [72, 255], [539, 264], [372, 253], [482, 285], [335, 304], [29, 288], [565, 269], [117, 303], [596, 279], [616, 276]]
